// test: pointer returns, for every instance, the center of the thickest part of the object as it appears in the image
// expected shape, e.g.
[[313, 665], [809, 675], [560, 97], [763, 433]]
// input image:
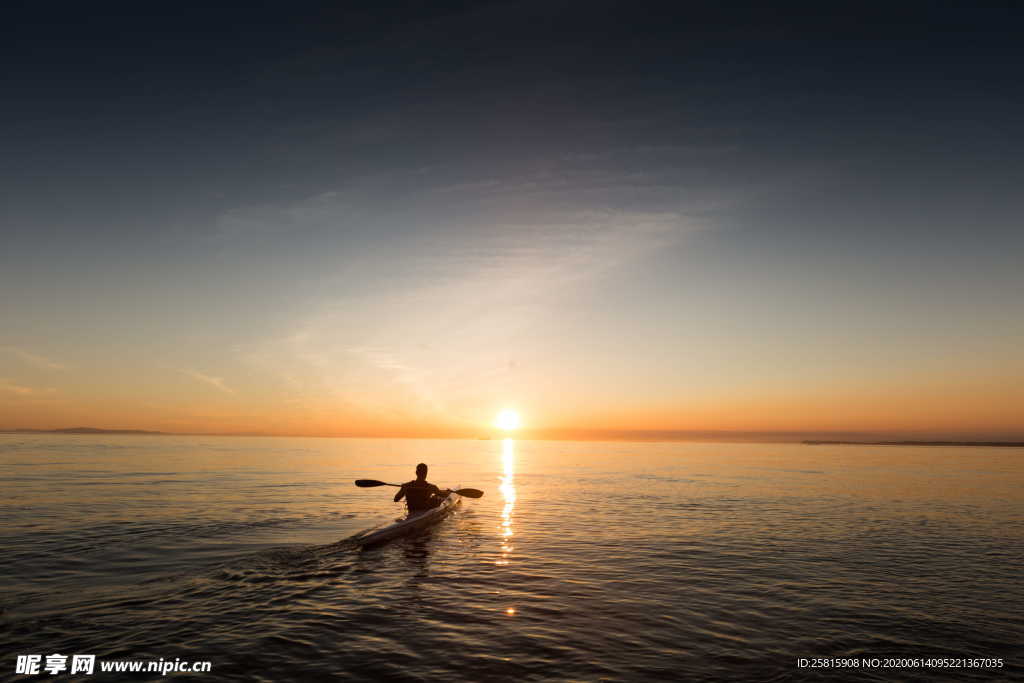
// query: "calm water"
[[584, 561]]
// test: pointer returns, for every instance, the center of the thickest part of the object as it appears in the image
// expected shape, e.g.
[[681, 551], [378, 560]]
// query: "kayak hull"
[[409, 525]]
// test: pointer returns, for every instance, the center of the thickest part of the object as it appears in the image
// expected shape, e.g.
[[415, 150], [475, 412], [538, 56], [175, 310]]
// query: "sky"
[[397, 219]]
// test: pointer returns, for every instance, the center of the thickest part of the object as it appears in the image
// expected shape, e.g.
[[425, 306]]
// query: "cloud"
[[33, 359], [462, 309], [17, 391], [447, 277], [9, 387], [400, 372], [216, 382], [269, 220], [544, 254]]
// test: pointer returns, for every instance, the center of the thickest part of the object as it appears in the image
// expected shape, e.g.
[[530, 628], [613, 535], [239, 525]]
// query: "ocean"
[[583, 561]]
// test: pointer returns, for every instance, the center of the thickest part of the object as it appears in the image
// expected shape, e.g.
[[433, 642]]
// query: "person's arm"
[[401, 494]]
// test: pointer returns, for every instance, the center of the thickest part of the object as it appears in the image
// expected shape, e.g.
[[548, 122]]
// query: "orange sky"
[[172, 401]]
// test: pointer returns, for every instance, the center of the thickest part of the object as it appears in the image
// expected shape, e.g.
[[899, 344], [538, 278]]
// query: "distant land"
[[80, 430], [1010, 444]]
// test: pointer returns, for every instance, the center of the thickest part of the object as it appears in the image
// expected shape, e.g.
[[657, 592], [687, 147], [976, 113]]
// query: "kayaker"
[[419, 493]]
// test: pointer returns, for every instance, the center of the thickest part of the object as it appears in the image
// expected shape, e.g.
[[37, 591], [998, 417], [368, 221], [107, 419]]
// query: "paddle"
[[466, 493]]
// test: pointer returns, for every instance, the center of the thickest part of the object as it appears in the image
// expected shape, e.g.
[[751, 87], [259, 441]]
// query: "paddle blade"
[[470, 493], [367, 483]]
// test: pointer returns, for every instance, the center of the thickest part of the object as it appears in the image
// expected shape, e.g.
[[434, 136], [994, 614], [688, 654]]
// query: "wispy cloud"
[[546, 253], [215, 382], [404, 374], [472, 276], [11, 389], [260, 221], [467, 298], [33, 359]]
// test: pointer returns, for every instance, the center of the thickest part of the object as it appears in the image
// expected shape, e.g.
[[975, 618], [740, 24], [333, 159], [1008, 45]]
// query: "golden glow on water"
[[508, 493]]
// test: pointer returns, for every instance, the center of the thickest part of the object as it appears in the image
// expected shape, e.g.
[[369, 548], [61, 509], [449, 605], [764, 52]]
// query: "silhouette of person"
[[419, 493]]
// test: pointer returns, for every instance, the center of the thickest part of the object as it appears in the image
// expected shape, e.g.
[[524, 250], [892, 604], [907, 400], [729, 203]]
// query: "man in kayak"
[[420, 494]]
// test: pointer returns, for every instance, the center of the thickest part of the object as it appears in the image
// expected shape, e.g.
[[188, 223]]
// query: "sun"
[[507, 420]]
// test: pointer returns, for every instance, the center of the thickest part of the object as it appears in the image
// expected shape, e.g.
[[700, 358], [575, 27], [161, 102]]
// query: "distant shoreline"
[[1006, 444], [79, 430]]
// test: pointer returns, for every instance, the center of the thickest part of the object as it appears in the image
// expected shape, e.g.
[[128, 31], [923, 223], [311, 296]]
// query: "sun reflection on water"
[[508, 492]]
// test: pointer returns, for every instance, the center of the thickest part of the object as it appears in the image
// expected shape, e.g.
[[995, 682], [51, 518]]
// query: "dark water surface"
[[583, 561]]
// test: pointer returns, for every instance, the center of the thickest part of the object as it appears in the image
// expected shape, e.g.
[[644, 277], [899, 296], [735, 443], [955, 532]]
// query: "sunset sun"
[[507, 420]]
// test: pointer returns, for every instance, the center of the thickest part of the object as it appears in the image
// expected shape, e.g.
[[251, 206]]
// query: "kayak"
[[407, 525]]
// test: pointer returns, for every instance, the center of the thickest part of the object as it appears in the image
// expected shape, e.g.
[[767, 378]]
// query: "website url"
[[86, 664], [162, 666]]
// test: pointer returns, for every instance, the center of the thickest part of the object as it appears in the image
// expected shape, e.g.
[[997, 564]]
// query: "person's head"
[[421, 471]]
